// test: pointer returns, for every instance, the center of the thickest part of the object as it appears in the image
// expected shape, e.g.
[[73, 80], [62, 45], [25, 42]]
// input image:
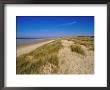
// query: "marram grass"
[[38, 61], [77, 48], [86, 41]]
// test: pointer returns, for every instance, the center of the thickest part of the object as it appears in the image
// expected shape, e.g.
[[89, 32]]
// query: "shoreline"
[[26, 48], [23, 45]]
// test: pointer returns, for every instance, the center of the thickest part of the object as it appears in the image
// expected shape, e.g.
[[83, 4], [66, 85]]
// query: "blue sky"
[[54, 26]]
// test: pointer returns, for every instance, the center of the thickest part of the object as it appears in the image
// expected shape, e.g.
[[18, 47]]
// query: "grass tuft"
[[77, 48]]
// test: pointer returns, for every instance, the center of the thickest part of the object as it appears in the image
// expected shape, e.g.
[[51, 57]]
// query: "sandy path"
[[74, 63], [27, 49]]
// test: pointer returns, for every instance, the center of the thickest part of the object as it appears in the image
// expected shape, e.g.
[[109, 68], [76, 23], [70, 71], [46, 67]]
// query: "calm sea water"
[[27, 41]]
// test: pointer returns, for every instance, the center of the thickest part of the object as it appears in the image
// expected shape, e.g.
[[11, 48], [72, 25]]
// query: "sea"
[[28, 41]]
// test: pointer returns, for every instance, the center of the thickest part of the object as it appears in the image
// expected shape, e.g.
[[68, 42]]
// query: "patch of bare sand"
[[27, 49], [74, 63]]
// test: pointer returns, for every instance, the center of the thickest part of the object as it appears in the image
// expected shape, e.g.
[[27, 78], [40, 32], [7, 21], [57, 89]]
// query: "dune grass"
[[36, 61], [86, 41], [77, 48]]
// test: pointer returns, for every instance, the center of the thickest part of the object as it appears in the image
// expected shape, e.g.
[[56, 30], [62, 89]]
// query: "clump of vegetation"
[[89, 44], [77, 48], [91, 47], [35, 61], [86, 41]]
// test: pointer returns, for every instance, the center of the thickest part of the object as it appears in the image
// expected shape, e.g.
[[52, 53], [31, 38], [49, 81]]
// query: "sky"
[[54, 26]]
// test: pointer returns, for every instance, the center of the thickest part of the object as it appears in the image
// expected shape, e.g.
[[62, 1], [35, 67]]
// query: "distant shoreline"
[[27, 41], [26, 48], [41, 40], [32, 43], [55, 37]]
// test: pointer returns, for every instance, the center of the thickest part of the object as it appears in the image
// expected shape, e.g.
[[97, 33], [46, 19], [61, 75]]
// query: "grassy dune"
[[40, 59], [86, 41], [47, 58]]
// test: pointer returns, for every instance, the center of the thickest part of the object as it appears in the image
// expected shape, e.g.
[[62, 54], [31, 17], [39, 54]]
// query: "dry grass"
[[41, 59], [58, 57], [77, 48], [75, 63], [86, 41]]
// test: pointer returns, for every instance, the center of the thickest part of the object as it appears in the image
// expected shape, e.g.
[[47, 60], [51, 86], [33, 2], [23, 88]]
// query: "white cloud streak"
[[65, 24]]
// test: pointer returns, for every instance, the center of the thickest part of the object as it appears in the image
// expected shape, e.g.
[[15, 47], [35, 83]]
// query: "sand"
[[74, 63], [28, 48], [69, 62]]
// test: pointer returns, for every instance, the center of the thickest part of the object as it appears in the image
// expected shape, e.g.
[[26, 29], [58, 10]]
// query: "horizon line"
[[54, 37]]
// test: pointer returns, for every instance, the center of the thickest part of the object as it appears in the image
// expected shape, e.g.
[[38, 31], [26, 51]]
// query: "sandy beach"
[[23, 49]]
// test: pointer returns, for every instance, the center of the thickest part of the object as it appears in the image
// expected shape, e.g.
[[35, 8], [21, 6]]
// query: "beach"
[[26, 48]]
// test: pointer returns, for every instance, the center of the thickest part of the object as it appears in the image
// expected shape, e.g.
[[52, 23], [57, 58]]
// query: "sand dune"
[[69, 62], [74, 63]]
